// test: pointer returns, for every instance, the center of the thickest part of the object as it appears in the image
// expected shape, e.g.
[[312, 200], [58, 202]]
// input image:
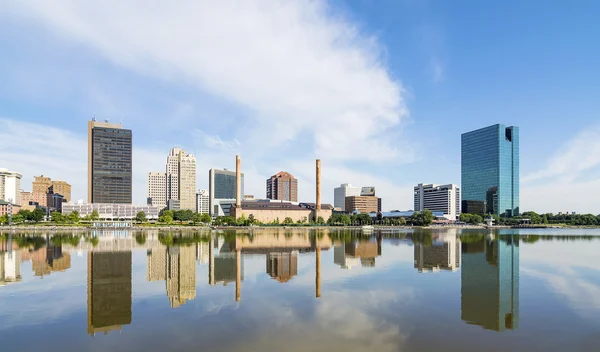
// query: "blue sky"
[[380, 93]]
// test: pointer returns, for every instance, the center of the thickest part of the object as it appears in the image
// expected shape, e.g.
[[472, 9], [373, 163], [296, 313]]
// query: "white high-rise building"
[[438, 198], [157, 189], [10, 186], [340, 193], [203, 202]]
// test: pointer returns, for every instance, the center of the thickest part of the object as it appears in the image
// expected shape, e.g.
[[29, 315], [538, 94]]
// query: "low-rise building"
[[112, 210], [362, 204], [267, 212], [7, 208]]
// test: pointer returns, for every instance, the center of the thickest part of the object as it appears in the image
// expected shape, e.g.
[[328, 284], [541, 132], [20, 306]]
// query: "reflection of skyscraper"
[[50, 259], [347, 254], [181, 275], [177, 267], [490, 283], [109, 291], [441, 255], [10, 263], [282, 266]]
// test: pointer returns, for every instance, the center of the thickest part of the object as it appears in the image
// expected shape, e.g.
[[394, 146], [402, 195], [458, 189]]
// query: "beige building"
[[179, 183], [267, 212], [10, 186], [157, 189], [28, 200], [362, 204], [8, 208], [43, 184]]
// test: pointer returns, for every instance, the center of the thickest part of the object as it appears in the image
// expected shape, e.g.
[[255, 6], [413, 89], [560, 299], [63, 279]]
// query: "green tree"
[[165, 219], [206, 218], [3, 219], [166, 212], [288, 221], [73, 217], [57, 217], [320, 220], [401, 221], [37, 215], [426, 217], [26, 214], [17, 219], [196, 218], [183, 215], [94, 216], [251, 219], [141, 217]]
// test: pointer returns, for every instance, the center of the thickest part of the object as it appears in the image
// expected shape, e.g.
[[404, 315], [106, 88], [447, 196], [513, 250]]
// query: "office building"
[[157, 189], [181, 178], [490, 283], [109, 291], [490, 168], [109, 163], [478, 207], [282, 186], [438, 198], [362, 204], [340, 193], [203, 202], [222, 185], [10, 186], [32, 200], [7, 208], [112, 210], [45, 185]]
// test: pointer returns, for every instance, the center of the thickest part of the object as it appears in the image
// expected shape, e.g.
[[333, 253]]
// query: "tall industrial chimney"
[[318, 202], [238, 182]]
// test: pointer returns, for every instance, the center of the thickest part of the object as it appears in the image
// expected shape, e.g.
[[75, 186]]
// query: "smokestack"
[[318, 205], [238, 182]]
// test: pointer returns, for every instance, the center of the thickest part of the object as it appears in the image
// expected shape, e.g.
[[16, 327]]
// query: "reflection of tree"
[[35, 242]]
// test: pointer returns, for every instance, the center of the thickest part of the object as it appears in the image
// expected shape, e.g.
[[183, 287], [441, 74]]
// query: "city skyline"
[[379, 93]]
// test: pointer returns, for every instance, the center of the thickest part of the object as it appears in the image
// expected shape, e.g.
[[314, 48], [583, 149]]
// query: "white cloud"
[[293, 64], [436, 70], [562, 184]]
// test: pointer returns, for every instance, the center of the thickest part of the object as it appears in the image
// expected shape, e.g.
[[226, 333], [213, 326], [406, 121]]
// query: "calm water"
[[302, 291]]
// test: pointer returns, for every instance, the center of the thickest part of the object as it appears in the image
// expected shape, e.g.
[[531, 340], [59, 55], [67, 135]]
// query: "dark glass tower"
[[109, 163], [490, 169]]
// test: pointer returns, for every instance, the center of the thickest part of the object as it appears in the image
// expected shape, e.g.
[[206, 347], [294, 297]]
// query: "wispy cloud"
[[565, 183], [294, 65], [436, 68]]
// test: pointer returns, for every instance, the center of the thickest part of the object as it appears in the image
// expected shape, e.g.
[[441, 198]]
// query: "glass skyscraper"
[[490, 169]]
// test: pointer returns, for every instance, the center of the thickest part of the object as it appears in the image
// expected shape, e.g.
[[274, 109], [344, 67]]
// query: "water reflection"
[[490, 282], [182, 264]]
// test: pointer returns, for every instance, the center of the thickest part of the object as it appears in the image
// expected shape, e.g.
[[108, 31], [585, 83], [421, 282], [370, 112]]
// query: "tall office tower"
[[109, 163], [439, 198], [173, 174], [282, 186], [340, 193], [109, 291], [45, 185], [202, 201], [490, 283], [490, 169], [222, 185], [10, 186], [187, 181], [157, 189], [181, 179]]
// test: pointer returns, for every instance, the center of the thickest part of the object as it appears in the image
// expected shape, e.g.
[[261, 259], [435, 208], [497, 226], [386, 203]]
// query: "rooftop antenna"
[[106, 120], [94, 117]]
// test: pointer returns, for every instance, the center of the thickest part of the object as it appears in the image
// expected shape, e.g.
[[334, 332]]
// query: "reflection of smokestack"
[[238, 181], [238, 275], [318, 271], [318, 205]]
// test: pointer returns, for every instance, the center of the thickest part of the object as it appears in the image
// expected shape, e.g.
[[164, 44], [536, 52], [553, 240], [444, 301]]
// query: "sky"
[[380, 93]]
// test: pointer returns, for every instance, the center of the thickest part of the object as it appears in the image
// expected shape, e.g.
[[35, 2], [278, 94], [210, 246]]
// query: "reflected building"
[[10, 263], [443, 254], [109, 291], [47, 260], [177, 267], [362, 253], [490, 283], [282, 266]]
